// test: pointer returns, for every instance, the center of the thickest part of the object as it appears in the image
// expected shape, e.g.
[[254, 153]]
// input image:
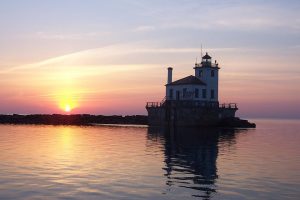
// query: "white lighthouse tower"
[[208, 72]]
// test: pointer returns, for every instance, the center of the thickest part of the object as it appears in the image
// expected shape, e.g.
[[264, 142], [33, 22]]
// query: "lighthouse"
[[192, 100], [208, 72], [203, 86]]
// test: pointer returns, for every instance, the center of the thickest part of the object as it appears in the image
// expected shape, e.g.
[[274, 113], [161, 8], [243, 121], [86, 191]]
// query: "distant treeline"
[[79, 119]]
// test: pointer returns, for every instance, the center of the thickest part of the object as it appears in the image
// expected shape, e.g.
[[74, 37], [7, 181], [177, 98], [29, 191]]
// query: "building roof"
[[189, 80], [206, 56]]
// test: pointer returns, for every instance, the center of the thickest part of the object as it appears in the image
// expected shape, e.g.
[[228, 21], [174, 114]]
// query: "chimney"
[[170, 69]]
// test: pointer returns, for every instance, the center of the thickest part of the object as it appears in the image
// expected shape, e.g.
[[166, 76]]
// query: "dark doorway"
[[177, 95]]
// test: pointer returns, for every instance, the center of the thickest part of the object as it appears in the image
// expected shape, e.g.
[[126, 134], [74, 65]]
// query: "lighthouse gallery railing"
[[192, 103]]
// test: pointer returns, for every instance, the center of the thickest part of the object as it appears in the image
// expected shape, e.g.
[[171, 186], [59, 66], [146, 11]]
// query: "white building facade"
[[203, 86]]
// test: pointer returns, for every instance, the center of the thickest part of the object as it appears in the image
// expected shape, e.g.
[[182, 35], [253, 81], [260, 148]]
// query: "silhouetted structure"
[[194, 101]]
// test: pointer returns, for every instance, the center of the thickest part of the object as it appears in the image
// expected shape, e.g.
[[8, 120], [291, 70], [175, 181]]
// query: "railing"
[[163, 101], [205, 64], [228, 105], [206, 104], [156, 104], [153, 104]]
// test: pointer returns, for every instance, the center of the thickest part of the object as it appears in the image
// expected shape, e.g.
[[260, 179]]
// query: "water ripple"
[[69, 162]]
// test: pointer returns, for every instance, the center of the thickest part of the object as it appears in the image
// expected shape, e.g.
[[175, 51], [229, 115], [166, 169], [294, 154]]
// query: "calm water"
[[67, 162]]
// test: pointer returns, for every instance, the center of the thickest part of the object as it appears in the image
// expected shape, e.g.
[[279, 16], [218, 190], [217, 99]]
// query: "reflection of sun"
[[68, 108]]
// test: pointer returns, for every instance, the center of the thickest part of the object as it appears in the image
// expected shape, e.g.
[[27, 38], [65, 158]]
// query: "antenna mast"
[[201, 51]]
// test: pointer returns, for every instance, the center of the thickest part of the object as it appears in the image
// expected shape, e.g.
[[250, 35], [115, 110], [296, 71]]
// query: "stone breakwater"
[[86, 119], [78, 119]]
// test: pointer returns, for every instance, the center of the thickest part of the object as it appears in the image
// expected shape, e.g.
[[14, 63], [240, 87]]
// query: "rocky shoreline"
[[77, 119], [236, 122], [86, 119]]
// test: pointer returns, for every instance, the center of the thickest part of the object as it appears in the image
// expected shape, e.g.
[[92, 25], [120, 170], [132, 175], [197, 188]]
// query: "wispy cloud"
[[144, 28], [220, 15], [72, 36], [111, 55]]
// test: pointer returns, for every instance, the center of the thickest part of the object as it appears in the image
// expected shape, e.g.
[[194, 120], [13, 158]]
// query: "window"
[[200, 73], [204, 93], [196, 93], [177, 95], [212, 73], [171, 93], [212, 94], [184, 92]]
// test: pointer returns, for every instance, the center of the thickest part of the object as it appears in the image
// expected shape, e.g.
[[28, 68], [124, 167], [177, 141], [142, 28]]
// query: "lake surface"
[[103, 162]]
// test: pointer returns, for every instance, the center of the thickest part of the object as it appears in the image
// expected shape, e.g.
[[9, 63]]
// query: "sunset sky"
[[111, 57]]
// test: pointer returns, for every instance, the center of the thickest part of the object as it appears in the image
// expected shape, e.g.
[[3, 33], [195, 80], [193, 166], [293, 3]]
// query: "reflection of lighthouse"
[[190, 158]]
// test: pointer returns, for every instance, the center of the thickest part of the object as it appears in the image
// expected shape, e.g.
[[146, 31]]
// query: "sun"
[[68, 108], [66, 101]]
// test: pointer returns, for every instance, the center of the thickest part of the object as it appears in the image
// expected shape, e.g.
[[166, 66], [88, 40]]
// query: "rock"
[[79, 119], [236, 122]]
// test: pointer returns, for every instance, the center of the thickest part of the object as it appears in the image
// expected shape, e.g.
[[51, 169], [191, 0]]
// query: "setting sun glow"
[[67, 100], [68, 108], [87, 68]]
